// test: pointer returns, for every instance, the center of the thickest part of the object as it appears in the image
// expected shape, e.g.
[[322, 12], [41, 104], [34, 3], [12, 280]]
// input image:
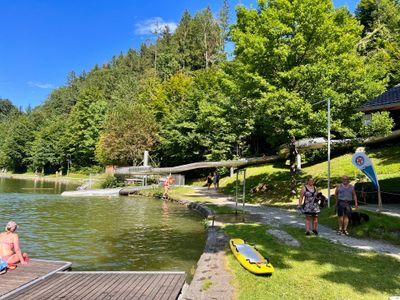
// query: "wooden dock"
[[104, 285], [24, 276]]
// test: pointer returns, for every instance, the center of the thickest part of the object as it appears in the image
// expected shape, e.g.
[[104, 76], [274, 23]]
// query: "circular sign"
[[359, 160]]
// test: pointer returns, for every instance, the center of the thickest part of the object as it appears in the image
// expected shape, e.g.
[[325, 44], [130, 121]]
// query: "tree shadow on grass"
[[272, 188], [276, 187], [339, 264], [387, 155]]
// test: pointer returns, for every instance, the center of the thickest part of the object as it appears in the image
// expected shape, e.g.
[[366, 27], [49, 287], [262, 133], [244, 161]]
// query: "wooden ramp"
[[23, 276], [106, 285]]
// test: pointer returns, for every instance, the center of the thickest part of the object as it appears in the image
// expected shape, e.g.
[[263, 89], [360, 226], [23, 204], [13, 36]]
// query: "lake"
[[101, 233]]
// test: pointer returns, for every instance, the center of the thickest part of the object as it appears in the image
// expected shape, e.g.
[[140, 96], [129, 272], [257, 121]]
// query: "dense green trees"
[[7, 109], [297, 53], [129, 130], [180, 98], [381, 35]]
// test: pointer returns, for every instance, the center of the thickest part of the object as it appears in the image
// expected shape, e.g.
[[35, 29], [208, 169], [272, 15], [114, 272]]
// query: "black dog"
[[357, 218], [321, 200]]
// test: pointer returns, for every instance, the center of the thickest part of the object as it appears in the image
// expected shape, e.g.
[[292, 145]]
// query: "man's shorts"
[[344, 208]]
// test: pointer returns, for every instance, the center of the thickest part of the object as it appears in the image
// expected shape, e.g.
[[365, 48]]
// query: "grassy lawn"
[[182, 193], [276, 176], [318, 269], [379, 226]]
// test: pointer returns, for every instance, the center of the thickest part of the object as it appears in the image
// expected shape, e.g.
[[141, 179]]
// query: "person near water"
[[209, 180], [216, 180], [167, 183], [344, 195], [309, 205], [10, 251]]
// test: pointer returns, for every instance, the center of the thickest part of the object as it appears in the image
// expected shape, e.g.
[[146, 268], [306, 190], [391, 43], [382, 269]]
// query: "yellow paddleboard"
[[250, 258]]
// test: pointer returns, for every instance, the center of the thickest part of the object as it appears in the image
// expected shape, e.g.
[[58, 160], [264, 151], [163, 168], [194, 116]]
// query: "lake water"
[[101, 233]]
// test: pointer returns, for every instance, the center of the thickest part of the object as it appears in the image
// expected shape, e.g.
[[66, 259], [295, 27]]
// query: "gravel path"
[[276, 217]]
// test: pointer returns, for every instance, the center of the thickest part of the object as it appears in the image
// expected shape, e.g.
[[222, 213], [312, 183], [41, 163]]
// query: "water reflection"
[[37, 186], [119, 233]]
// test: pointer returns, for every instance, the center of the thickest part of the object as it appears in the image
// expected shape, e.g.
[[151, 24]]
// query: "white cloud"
[[40, 85], [152, 25]]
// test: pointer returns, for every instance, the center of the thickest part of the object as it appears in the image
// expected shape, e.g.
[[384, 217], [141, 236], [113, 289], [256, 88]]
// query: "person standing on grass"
[[310, 207], [344, 195], [216, 180], [209, 181]]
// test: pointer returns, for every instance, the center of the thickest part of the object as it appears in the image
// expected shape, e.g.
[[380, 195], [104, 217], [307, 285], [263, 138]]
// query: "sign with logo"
[[362, 162]]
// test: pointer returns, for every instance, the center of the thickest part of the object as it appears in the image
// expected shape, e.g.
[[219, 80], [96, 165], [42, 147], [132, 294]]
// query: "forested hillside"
[[184, 101]]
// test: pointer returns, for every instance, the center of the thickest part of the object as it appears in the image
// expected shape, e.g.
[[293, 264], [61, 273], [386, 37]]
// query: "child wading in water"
[[167, 183]]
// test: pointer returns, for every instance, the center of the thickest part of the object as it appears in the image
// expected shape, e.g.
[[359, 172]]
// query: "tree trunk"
[[293, 169]]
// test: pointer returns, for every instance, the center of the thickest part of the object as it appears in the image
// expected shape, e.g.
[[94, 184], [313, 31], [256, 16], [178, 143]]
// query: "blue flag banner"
[[362, 162]]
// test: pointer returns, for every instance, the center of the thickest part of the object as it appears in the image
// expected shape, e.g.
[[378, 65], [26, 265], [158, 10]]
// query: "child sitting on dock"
[[10, 251]]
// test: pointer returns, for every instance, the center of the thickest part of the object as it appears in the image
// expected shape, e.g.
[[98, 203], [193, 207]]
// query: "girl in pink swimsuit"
[[168, 181], [9, 245]]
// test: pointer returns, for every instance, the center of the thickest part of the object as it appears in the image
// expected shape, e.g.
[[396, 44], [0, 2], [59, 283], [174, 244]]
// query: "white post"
[[145, 164], [329, 152], [146, 159], [244, 188], [298, 161], [379, 198], [237, 187]]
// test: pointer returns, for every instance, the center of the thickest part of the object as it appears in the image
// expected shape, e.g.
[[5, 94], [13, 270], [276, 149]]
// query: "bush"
[[381, 125], [111, 182], [88, 170], [316, 155]]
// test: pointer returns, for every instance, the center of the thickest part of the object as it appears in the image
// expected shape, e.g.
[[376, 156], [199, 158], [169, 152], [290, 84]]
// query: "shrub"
[[111, 182]]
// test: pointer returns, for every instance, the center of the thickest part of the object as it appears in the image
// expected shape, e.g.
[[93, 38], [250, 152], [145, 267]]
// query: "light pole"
[[329, 147], [329, 152]]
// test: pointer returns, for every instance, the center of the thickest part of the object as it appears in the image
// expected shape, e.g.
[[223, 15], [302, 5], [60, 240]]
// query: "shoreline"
[[212, 258], [44, 178]]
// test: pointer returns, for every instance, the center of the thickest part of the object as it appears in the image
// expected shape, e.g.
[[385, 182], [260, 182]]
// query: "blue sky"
[[41, 41]]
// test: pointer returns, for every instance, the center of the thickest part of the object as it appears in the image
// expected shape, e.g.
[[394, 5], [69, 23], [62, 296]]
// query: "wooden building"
[[388, 101]]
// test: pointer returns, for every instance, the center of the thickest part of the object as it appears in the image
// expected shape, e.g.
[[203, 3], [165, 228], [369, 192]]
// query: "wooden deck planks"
[[106, 285], [105, 290], [146, 283], [44, 289], [162, 282], [123, 284], [92, 288], [171, 288], [36, 270]]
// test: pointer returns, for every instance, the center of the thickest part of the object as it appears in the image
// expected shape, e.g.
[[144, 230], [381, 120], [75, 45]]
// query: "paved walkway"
[[387, 209], [211, 280], [276, 217]]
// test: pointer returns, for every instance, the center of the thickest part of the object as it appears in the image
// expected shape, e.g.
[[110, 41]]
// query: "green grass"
[[318, 269], [276, 176], [206, 284], [379, 226], [183, 193], [223, 210]]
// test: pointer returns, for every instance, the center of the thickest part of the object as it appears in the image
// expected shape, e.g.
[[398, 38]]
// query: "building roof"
[[389, 100]]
